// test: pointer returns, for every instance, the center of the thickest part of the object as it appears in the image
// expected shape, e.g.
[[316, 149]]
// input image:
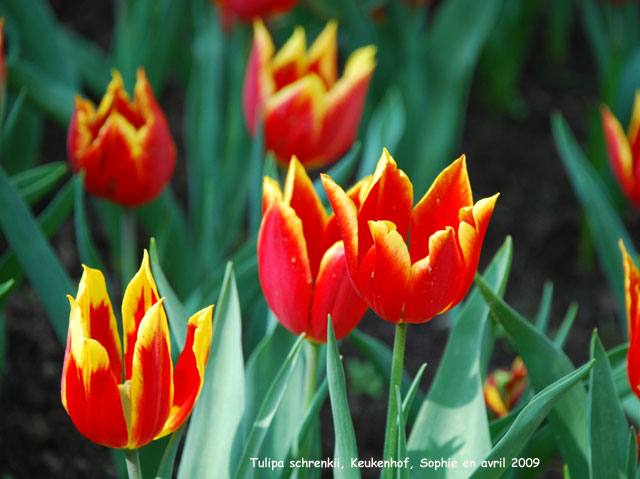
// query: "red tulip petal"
[[97, 320], [252, 9], [152, 378], [346, 217], [90, 391], [290, 63], [389, 197], [345, 103], [435, 281], [632, 297], [189, 373], [439, 207], [619, 153], [333, 294], [293, 119], [332, 233], [141, 294], [384, 272], [258, 81], [470, 238], [323, 54], [300, 195], [283, 265]]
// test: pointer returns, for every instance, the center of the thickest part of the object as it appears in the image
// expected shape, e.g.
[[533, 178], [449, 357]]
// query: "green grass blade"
[[86, 248], [35, 183]]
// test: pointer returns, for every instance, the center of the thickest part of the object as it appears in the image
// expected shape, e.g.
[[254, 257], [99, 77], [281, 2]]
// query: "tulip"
[[632, 300], [128, 405], [411, 284], [247, 10], [305, 109], [125, 148], [503, 388], [301, 260], [624, 150]]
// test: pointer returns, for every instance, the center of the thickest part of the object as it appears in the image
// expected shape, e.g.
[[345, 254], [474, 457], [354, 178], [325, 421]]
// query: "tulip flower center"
[[125, 397]]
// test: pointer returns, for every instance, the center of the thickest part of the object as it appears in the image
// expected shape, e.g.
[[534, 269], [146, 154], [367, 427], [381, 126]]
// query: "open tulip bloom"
[[125, 400], [306, 109], [125, 148], [410, 284], [624, 150], [301, 260]]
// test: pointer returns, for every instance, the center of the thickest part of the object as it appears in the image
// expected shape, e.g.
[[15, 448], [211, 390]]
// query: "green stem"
[[132, 458], [127, 246], [391, 432], [313, 354]]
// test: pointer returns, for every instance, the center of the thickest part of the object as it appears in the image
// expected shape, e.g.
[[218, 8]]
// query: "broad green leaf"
[[178, 317], [345, 447], [49, 221], [86, 248], [341, 172], [540, 446], [526, 424], [452, 421], [35, 183], [22, 136], [256, 166], [607, 423], [266, 413], [6, 286], [547, 363], [604, 222], [38, 260], [216, 418], [385, 130]]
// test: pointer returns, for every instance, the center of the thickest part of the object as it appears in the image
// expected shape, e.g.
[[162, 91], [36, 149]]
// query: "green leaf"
[[165, 469], [43, 91], [86, 248], [35, 183], [267, 411], [346, 447], [632, 454], [22, 136], [527, 422], [49, 221], [256, 166], [608, 425], [547, 363], [385, 130], [178, 317], [38, 260], [542, 318], [452, 421], [341, 172], [566, 325], [408, 400], [89, 60], [216, 418], [6, 286], [604, 222], [401, 472]]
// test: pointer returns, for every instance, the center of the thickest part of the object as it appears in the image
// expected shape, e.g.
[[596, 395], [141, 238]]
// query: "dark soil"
[[537, 207]]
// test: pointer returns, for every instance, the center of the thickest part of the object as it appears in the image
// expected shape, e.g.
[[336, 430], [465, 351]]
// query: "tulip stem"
[[391, 432], [313, 354], [132, 457], [127, 246]]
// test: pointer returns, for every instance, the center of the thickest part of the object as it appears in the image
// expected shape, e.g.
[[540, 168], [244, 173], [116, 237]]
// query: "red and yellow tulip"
[[503, 388], [632, 300], [127, 399], [247, 10], [411, 283], [125, 148], [624, 150], [301, 260], [307, 111]]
